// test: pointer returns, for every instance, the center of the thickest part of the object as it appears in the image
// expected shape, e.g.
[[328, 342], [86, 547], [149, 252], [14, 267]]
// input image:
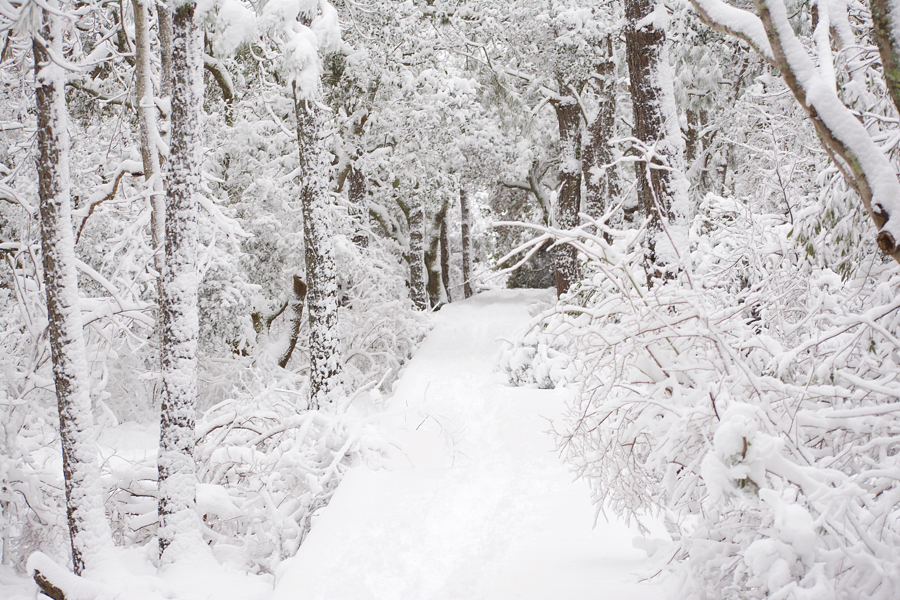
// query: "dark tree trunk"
[[445, 257], [466, 226], [417, 272], [178, 521], [644, 49], [296, 319], [88, 528], [598, 189], [565, 257], [435, 261], [359, 206]]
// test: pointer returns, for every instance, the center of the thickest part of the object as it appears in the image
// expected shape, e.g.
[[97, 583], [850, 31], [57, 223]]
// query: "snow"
[[475, 504]]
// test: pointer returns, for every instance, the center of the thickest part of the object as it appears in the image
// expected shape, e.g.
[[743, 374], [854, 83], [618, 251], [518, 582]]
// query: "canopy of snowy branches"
[[709, 185]]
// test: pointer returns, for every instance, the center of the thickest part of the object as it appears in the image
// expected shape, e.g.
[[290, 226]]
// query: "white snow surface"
[[474, 505], [477, 505]]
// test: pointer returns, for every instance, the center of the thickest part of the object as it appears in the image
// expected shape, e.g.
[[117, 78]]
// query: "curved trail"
[[478, 506]]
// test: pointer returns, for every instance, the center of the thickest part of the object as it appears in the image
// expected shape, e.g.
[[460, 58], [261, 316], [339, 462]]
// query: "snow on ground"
[[478, 505], [475, 506]]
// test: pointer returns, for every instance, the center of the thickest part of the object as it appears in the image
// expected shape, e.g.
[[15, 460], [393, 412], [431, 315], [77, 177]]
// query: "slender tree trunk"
[[321, 272], [88, 528], [179, 526], [466, 220], [445, 256], [565, 257], [359, 206], [598, 189], [296, 319], [417, 274], [148, 128], [164, 18], [885, 25]]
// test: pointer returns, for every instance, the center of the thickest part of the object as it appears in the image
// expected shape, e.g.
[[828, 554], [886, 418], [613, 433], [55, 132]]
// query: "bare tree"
[[418, 277], [321, 272], [596, 152], [646, 56], [568, 117], [88, 527], [178, 521], [466, 220]]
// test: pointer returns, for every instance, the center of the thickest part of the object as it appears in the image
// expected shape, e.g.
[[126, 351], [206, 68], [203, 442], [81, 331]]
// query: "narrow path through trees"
[[477, 504]]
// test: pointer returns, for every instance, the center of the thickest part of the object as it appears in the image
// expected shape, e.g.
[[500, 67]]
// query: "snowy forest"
[[456, 299]]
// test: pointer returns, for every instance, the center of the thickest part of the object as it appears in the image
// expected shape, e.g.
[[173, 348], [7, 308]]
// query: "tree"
[[656, 128], [322, 292], [88, 528], [179, 524], [813, 83]]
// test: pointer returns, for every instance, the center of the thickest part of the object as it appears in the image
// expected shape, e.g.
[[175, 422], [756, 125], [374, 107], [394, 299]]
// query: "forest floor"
[[476, 505]]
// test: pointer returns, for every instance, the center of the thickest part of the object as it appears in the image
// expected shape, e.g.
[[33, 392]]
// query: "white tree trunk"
[[179, 526], [88, 527], [147, 119], [321, 273]]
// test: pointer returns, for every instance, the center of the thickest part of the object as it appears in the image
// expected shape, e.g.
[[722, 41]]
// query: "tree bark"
[[164, 18], [359, 206], [149, 131], [321, 272], [296, 320], [88, 528], [598, 189], [644, 47], [436, 259], [179, 525], [466, 221], [445, 256], [884, 24], [417, 273], [565, 257]]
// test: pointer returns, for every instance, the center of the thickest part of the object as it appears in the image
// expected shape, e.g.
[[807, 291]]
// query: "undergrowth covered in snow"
[[749, 401]]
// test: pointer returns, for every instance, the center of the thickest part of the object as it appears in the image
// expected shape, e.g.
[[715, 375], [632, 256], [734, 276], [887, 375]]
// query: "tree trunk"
[[179, 525], [417, 274], [435, 259], [296, 319], [565, 257], [164, 18], [598, 189], [321, 272], [359, 206], [88, 528], [149, 131], [884, 27], [445, 257], [646, 56], [466, 220]]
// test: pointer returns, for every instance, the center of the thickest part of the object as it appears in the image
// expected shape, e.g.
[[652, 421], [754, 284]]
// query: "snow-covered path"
[[478, 506]]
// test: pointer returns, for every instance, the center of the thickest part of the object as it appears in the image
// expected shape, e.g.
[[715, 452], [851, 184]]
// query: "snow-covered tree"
[[179, 525], [88, 528]]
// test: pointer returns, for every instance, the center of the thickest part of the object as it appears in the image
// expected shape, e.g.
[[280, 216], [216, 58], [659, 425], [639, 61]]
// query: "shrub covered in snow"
[[749, 401]]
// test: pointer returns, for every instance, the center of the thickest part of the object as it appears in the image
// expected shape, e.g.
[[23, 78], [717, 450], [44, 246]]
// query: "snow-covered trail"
[[478, 506]]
